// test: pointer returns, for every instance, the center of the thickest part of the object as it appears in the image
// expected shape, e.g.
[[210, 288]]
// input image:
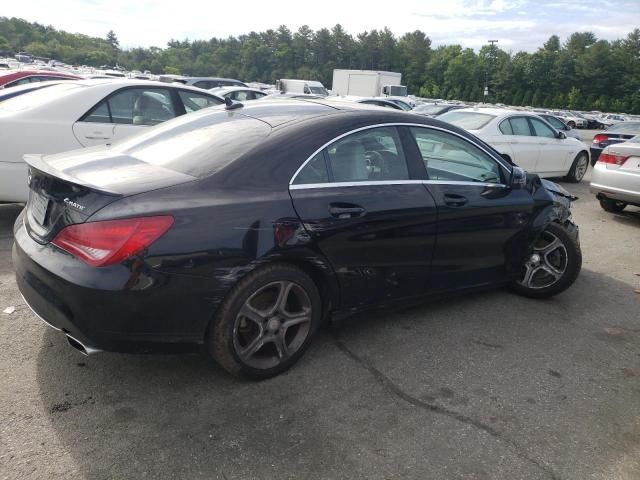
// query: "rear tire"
[[266, 322], [612, 206], [553, 266], [578, 168]]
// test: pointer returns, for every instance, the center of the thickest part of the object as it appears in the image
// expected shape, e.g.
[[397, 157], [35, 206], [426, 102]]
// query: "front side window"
[[448, 157], [541, 129], [370, 155], [135, 106], [555, 122], [193, 101]]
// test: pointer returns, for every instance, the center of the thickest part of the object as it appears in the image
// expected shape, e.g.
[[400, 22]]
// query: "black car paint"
[[244, 216]]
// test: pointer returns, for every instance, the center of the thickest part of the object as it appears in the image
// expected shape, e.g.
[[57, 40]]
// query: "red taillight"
[[611, 158], [104, 243], [600, 138]]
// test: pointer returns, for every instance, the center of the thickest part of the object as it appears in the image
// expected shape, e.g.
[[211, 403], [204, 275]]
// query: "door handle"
[[454, 200], [346, 211], [96, 138]]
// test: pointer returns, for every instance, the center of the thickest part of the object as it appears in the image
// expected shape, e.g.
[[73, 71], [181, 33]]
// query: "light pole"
[[492, 50]]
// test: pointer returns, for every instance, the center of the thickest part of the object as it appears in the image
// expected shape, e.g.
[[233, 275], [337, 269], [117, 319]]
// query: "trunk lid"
[[68, 188]]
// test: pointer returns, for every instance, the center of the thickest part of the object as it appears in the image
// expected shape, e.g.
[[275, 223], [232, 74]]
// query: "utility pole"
[[489, 67]]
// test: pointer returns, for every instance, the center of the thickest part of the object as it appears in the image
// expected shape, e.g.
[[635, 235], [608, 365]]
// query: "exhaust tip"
[[84, 350]]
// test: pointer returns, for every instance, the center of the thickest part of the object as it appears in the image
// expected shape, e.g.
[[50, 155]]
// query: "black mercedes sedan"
[[242, 229]]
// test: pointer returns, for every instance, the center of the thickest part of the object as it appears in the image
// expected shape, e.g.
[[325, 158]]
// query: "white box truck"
[[290, 85], [368, 83]]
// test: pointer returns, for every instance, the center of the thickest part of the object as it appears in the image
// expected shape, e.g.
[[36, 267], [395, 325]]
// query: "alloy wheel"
[[272, 324], [547, 263], [581, 167]]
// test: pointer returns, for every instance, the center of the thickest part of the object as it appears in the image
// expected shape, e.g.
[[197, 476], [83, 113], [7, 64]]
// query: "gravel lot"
[[486, 386]]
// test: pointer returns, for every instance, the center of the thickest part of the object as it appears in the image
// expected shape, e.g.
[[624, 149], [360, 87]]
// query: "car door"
[[369, 214], [481, 236], [123, 113], [555, 154], [517, 132]]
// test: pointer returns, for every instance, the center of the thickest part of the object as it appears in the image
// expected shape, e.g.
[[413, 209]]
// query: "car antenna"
[[231, 105]]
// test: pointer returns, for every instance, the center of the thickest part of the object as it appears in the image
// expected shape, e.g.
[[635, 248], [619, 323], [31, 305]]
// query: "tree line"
[[582, 72]]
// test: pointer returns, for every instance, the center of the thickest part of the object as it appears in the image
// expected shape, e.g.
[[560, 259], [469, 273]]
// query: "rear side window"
[[370, 155], [315, 171], [505, 127], [520, 126], [134, 106]]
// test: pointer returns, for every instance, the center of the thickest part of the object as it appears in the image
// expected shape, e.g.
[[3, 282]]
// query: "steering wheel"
[[376, 164]]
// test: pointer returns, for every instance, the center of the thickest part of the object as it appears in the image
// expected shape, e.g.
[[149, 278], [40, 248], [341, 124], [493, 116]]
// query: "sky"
[[516, 24]]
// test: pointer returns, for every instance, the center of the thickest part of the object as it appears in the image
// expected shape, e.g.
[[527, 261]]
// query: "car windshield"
[[467, 120], [404, 106], [429, 109], [319, 90], [626, 127], [39, 97], [635, 139]]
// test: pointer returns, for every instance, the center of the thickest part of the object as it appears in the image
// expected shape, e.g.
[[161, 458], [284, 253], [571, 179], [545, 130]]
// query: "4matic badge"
[[73, 204]]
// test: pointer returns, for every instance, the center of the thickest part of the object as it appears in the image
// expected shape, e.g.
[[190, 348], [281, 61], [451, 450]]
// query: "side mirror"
[[518, 177], [561, 135]]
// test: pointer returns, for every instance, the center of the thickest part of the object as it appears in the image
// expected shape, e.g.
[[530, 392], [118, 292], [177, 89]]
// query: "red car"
[[20, 77]]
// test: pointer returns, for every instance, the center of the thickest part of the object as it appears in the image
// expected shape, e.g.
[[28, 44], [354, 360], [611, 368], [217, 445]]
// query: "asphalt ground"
[[486, 386]]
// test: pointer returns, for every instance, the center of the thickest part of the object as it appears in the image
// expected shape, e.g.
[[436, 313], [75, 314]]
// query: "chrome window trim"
[[499, 160], [303, 186], [306, 186]]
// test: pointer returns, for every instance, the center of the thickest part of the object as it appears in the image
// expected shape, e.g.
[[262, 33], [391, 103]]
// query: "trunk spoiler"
[[37, 161]]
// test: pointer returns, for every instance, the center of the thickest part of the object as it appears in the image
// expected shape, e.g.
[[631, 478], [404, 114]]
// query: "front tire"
[[266, 322], [553, 266], [612, 206], [578, 168]]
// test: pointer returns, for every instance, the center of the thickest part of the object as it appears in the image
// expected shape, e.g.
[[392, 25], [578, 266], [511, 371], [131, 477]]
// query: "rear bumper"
[[13, 182], [615, 184], [103, 309]]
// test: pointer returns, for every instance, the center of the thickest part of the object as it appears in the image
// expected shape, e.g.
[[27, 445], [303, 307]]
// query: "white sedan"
[[83, 113], [526, 140]]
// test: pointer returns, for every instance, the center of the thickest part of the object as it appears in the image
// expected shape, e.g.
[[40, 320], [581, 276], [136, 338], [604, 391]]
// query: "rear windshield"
[[626, 127], [39, 97], [467, 120], [198, 144]]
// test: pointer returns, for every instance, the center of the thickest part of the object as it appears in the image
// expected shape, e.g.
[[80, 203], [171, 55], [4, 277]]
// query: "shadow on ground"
[[486, 386]]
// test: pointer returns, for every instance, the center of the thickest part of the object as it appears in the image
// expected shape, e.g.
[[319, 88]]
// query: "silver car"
[[616, 176]]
